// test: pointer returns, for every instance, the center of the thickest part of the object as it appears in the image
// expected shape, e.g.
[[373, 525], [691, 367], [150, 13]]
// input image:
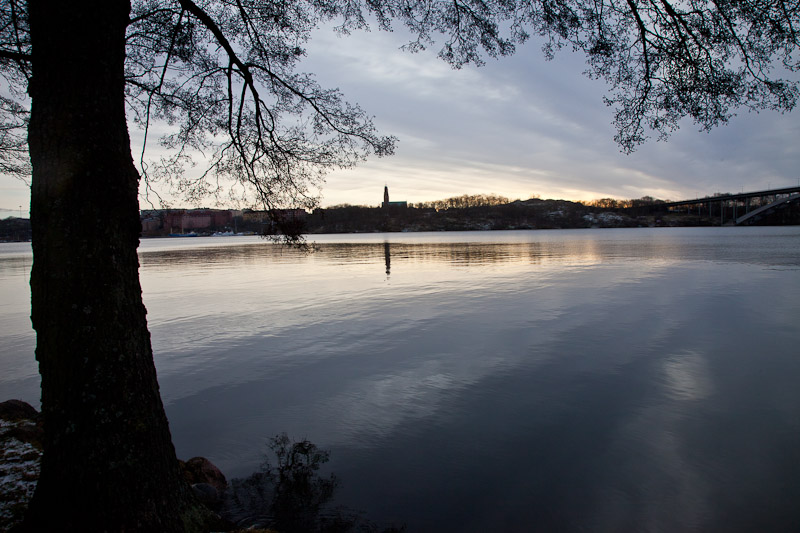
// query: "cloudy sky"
[[519, 126], [522, 126]]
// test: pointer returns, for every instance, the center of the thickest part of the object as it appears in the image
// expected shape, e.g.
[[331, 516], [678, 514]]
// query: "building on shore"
[[387, 204], [157, 222], [279, 214]]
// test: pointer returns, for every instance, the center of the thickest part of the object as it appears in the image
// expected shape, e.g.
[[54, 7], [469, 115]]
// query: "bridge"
[[739, 208], [781, 202]]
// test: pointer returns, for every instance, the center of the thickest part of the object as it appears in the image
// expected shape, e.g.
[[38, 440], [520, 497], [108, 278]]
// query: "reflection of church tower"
[[387, 255], [385, 195]]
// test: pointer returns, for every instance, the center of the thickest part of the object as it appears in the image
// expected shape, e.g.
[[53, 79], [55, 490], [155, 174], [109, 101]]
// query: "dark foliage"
[[14, 229], [529, 214]]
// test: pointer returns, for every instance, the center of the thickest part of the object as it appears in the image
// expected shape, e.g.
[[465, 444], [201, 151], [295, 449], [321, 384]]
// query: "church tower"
[[391, 205]]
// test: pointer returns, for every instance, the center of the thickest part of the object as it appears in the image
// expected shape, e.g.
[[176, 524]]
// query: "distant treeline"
[[644, 201], [492, 212], [459, 213], [613, 203], [471, 212], [464, 201], [13, 229]]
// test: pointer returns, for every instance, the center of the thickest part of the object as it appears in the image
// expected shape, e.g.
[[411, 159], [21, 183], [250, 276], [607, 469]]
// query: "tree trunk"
[[109, 463]]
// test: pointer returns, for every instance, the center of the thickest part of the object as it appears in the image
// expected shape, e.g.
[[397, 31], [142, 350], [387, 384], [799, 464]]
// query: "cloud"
[[14, 194], [523, 125], [520, 126]]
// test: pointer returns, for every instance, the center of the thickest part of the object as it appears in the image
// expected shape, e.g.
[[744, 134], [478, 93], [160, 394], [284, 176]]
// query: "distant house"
[[151, 224], [281, 214], [193, 219], [387, 204], [277, 221], [165, 221]]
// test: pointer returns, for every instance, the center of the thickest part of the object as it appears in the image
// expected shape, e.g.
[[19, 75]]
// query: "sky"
[[523, 126], [518, 127]]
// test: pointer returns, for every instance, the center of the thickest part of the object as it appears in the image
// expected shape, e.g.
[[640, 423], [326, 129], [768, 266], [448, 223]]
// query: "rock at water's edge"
[[20, 458], [16, 410], [201, 470]]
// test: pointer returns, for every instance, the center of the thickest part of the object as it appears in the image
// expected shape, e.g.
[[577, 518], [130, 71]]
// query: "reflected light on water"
[[687, 376], [620, 380]]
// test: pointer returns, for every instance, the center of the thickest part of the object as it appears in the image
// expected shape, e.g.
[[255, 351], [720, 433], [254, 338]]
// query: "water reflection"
[[528, 247], [289, 494], [453, 254], [687, 376], [553, 381], [16, 265]]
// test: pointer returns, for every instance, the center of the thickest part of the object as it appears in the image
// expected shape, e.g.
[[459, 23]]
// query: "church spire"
[[391, 205]]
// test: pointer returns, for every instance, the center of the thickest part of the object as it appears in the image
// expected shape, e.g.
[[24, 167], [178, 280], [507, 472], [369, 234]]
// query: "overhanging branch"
[[15, 56]]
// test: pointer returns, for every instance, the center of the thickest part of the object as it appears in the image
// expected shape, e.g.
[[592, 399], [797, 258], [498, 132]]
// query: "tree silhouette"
[[223, 74]]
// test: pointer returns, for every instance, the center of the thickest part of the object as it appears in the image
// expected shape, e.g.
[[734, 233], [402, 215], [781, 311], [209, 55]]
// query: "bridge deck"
[[767, 207], [738, 196]]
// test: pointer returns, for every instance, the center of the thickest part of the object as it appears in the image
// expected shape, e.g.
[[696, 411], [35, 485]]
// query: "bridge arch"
[[754, 215]]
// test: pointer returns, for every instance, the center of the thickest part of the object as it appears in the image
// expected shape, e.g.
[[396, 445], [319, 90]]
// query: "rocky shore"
[[287, 495], [21, 447]]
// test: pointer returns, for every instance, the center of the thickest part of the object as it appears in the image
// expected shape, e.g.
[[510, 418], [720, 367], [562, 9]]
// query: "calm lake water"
[[568, 380]]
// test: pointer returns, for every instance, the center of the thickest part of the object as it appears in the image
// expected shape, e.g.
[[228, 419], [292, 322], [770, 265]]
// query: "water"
[[601, 380]]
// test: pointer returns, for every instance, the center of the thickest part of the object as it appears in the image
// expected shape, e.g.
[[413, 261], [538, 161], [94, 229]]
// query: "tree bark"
[[109, 463]]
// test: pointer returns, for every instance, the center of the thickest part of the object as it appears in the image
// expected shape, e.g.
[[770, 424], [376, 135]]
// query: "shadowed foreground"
[[287, 496]]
